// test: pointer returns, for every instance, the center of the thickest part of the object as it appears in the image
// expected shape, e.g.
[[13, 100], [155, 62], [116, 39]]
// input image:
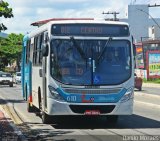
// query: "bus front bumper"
[[64, 108]]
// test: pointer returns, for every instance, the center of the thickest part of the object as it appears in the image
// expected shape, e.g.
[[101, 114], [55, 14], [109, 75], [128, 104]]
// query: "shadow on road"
[[67, 125], [42, 133], [125, 122], [2, 101]]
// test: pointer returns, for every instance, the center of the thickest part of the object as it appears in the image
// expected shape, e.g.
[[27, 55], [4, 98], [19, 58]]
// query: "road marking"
[[148, 104], [147, 95]]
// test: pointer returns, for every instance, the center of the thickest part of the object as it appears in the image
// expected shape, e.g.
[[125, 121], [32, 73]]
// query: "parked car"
[[18, 77], [138, 82], [6, 79]]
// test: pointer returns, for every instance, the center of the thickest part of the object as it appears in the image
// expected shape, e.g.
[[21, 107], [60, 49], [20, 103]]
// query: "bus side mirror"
[[45, 50]]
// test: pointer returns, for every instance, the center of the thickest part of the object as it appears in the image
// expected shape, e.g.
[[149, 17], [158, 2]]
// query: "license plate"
[[92, 112]]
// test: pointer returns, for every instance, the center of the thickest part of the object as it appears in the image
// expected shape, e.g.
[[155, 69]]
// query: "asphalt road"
[[143, 124]]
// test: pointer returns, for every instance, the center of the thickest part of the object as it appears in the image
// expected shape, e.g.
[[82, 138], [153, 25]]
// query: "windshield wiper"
[[78, 48], [103, 51]]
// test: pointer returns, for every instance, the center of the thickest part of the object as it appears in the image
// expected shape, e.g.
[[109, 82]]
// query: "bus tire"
[[45, 118], [113, 119], [30, 108], [39, 99]]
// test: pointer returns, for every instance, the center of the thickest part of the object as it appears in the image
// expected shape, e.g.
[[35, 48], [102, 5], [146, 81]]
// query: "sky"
[[29, 11]]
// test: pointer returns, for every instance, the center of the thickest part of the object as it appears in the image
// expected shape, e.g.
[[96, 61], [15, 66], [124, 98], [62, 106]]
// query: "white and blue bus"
[[79, 68]]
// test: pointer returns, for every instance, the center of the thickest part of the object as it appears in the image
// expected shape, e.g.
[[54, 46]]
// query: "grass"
[[157, 81]]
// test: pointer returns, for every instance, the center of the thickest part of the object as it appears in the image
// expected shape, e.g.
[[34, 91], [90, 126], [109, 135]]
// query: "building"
[[140, 21]]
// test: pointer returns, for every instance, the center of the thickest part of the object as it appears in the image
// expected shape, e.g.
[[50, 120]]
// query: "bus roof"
[[46, 26], [42, 22], [88, 21]]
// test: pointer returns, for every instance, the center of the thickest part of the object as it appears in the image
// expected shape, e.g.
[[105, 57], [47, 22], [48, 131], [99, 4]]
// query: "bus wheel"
[[45, 118], [112, 119], [39, 99], [30, 108]]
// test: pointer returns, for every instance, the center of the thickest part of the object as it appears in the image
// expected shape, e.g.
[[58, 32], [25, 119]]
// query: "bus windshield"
[[90, 62]]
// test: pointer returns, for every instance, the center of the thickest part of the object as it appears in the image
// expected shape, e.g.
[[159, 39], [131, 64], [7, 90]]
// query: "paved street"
[[144, 121]]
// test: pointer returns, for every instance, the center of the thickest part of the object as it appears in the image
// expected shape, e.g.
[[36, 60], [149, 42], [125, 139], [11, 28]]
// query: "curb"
[[8, 114], [151, 85]]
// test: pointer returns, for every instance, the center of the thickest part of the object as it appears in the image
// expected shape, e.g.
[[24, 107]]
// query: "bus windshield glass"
[[90, 62]]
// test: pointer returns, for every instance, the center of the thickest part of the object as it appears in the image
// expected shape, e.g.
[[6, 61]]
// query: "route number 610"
[[71, 98]]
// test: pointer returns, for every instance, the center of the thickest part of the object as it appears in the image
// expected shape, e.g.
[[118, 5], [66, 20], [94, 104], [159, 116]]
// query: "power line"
[[150, 16]]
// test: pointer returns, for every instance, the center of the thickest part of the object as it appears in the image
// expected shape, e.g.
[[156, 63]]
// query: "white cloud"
[[29, 11], [69, 1], [23, 11]]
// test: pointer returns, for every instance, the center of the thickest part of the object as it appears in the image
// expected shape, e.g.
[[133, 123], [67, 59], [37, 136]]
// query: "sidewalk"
[[151, 85], [7, 132], [149, 96]]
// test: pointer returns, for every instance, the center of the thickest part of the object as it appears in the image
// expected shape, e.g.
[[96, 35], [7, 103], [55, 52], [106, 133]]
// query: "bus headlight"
[[128, 95], [55, 94]]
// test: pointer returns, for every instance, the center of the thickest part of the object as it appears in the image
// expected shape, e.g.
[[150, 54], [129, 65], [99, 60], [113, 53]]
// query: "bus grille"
[[82, 108], [91, 91]]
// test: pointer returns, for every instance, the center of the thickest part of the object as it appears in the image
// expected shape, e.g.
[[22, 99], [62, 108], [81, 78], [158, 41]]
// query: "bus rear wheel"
[[30, 108], [45, 118]]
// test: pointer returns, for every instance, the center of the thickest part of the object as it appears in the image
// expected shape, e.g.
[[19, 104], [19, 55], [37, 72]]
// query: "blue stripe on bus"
[[92, 98]]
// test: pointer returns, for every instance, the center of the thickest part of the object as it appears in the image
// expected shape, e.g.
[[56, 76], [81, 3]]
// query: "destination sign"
[[90, 30]]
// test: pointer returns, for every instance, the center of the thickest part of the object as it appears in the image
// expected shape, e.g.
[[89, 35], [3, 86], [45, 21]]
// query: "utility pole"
[[114, 14]]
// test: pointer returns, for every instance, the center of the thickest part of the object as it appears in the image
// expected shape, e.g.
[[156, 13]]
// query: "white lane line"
[[147, 104], [147, 95]]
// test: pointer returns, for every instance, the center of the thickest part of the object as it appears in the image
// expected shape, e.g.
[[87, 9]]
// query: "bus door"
[[44, 72]]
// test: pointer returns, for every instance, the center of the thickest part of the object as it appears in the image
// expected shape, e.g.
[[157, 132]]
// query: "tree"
[[10, 50], [5, 12]]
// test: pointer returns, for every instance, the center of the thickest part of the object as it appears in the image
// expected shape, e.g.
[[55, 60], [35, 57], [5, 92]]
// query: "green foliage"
[[10, 50], [152, 80], [5, 12]]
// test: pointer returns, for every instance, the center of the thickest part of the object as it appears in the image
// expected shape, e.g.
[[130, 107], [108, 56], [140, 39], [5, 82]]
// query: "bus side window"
[[40, 50], [31, 49], [35, 51]]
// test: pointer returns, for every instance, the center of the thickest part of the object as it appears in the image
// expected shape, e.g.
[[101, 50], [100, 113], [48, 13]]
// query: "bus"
[[79, 68]]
